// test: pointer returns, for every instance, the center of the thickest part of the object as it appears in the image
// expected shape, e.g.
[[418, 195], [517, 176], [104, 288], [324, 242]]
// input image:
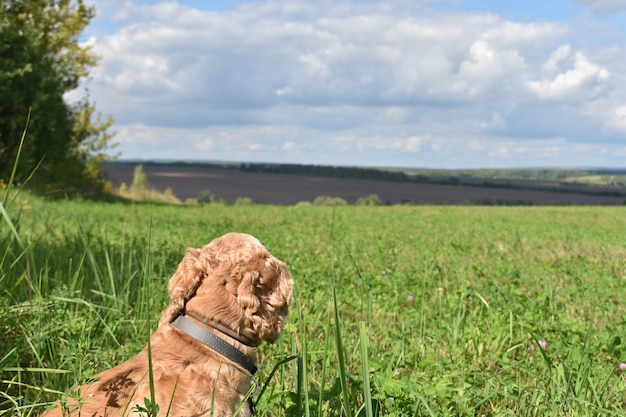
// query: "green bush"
[[205, 197], [329, 201], [243, 201], [370, 200]]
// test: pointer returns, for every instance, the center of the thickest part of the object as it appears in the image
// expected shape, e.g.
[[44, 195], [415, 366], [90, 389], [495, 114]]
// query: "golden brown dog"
[[232, 288]]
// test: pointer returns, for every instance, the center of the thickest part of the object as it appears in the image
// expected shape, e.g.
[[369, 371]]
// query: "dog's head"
[[234, 281]]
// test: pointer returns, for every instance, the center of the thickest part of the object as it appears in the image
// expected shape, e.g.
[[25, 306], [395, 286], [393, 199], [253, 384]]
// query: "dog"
[[227, 298]]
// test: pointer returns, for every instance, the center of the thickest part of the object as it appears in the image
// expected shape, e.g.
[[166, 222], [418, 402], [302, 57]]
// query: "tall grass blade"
[[11, 225], [299, 386], [302, 365], [343, 375], [23, 247], [147, 283], [17, 159], [152, 406], [93, 262], [109, 270], [244, 402], [169, 407], [367, 392], [425, 403], [271, 375], [327, 339]]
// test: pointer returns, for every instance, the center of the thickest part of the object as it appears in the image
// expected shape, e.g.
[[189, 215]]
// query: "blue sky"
[[405, 83]]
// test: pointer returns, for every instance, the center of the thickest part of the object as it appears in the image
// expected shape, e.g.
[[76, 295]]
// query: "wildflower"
[[622, 365], [410, 298], [440, 289], [542, 344]]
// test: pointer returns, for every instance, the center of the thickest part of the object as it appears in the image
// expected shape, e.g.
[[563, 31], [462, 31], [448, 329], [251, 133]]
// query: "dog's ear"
[[264, 294], [184, 283]]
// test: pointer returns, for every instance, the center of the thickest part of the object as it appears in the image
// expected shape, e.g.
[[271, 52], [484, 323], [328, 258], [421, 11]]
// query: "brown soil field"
[[287, 189]]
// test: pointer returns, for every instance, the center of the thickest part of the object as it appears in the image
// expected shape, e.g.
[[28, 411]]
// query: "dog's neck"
[[224, 330], [241, 357]]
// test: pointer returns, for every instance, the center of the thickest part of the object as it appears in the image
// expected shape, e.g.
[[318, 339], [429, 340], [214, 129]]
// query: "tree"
[[41, 60], [140, 181]]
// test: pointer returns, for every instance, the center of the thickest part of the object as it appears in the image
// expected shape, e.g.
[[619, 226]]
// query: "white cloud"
[[364, 143], [140, 134], [501, 151], [543, 150], [214, 62], [415, 143], [486, 69], [617, 119], [604, 6], [582, 79], [335, 80], [556, 59], [496, 123], [205, 145], [343, 143]]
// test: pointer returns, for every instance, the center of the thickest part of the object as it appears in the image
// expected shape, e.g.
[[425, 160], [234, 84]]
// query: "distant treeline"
[[536, 174], [329, 171], [448, 176]]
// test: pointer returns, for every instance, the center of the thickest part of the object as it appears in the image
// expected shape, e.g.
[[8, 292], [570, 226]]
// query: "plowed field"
[[228, 185]]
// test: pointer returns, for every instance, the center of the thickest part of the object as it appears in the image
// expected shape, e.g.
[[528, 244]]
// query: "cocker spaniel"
[[227, 298]]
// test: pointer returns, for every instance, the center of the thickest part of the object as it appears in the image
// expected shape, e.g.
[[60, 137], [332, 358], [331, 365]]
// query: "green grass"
[[434, 311]]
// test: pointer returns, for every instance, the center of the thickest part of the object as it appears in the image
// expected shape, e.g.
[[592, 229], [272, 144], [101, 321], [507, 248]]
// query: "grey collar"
[[212, 341], [226, 330]]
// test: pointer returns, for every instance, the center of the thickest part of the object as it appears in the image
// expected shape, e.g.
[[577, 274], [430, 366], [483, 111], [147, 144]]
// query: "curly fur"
[[234, 281]]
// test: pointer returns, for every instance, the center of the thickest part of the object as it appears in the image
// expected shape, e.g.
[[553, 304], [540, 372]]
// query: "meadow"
[[398, 310]]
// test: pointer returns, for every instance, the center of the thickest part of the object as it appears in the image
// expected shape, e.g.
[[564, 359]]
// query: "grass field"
[[398, 311]]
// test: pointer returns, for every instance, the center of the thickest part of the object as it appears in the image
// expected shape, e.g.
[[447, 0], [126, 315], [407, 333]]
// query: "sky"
[[395, 83]]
